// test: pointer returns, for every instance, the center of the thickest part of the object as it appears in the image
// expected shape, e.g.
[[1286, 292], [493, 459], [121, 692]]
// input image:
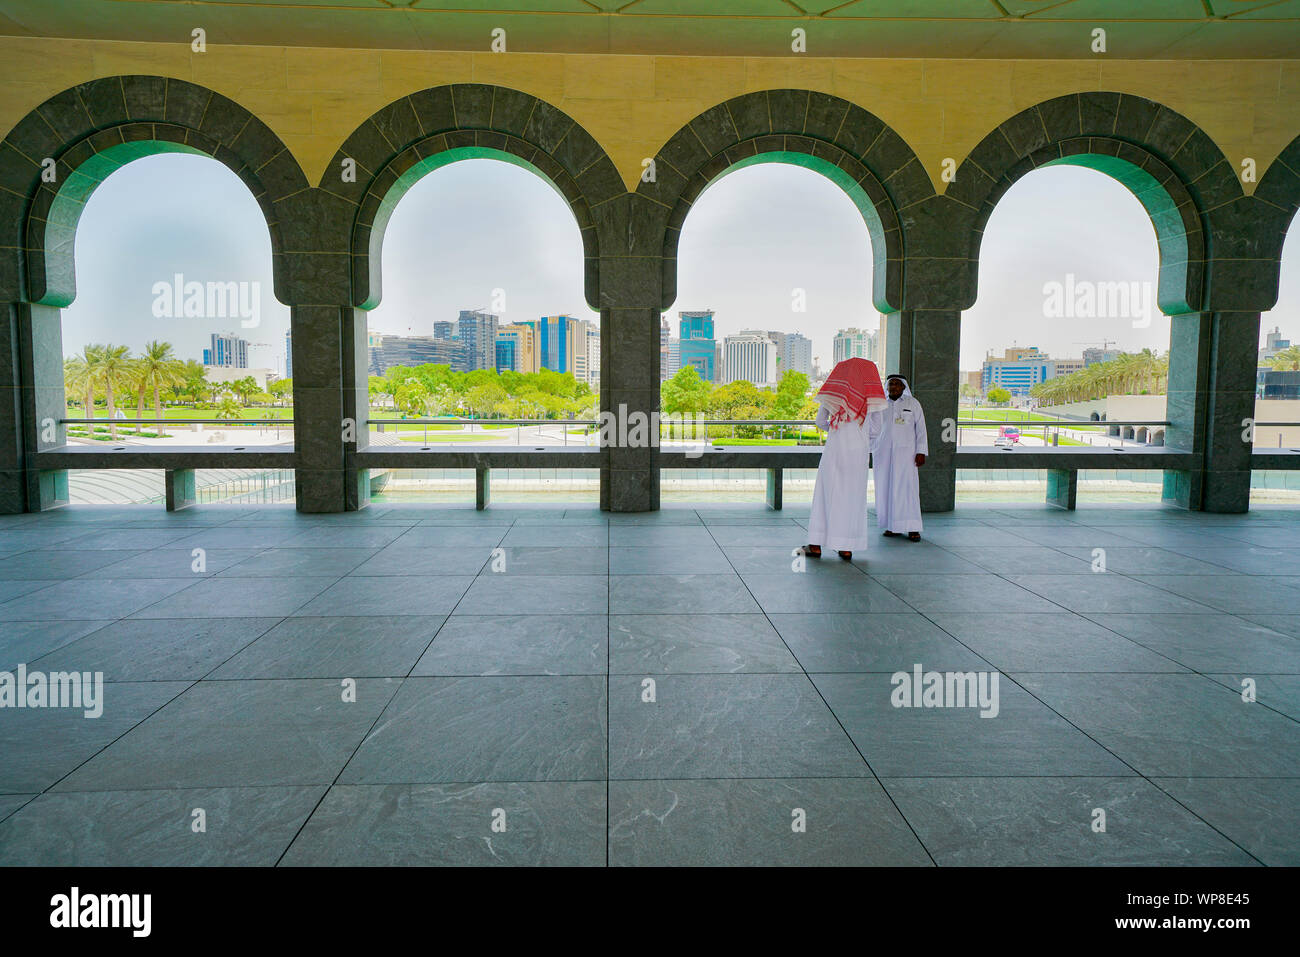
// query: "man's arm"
[[922, 438]]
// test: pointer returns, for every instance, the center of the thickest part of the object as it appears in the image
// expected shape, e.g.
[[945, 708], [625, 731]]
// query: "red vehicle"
[[1009, 432]]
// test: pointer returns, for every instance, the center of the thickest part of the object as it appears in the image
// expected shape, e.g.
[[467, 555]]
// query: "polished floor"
[[434, 685]]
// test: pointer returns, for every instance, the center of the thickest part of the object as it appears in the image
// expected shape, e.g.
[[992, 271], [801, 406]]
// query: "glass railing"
[[271, 431]]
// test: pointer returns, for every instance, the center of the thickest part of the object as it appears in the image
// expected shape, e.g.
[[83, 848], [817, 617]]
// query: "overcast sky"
[[755, 236]]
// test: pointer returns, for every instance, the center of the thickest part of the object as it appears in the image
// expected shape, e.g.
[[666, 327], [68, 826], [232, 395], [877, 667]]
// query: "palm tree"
[[114, 371], [229, 408], [81, 374], [1288, 358], [157, 368]]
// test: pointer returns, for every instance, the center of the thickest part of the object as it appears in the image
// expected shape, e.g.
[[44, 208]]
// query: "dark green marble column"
[[924, 346], [41, 401]]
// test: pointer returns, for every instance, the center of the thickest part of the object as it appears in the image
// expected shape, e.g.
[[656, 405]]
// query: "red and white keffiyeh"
[[852, 390]]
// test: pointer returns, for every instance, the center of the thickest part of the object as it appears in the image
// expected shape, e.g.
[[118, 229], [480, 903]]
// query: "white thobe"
[[839, 506], [901, 435]]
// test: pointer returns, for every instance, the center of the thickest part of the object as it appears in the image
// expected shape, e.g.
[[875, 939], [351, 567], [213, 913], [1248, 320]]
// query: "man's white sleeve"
[[922, 439], [823, 420]]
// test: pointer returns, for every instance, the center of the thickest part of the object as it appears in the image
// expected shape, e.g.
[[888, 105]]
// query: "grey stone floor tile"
[[1282, 624], [124, 539], [682, 537], [918, 558], [235, 598], [16, 589], [589, 536], [547, 560], [1279, 692], [678, 594], [772, 536], [458, 536], [41, 745], [782, 560], [870, 642], [1144, 560], [751, 822], [25, 641], [50, 564], [9, 803], [258, 535], [373, 536], [518, 645], [245, 827], [1023, 738], [1059, 641], [1173, 725], [1208, 642], [240, 733], [1261, 815], [392, 595], [1232, 593], [487, 729], [818, 591], [1080, 537], [1027, 560], [83, 599], [547, 823], [710, 726], [936, 593], [294, 562], [668, 560], [42, 534], [402, 560], [173, 563], [536, 594], [162, 649], [1048, 822], [1246, 559], [979, 536], [341, 647], [1274, 537], [1108, 592], [696, 644]]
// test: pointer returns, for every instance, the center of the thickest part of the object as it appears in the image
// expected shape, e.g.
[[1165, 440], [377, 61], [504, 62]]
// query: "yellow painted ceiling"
[[994, 29]]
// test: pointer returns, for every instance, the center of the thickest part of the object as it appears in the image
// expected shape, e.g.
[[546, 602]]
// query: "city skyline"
[[753, 238]]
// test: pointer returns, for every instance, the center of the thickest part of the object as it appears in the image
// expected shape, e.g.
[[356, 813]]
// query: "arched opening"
[[1158, 437], [776, 283], [1277, 383], [173, 317], [1079, 261], [483, 337]]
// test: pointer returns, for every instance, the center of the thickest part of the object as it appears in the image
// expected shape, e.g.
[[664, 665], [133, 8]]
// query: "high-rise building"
[[854, 343], [1018, 371], [1273, 344], [566, 344], [751, 356], [521, 338], [288, 354], [674, 356], [665, 336], [443, 329], [477, 331], [227, 351], [698, 347], [793, 351], [411, 351]]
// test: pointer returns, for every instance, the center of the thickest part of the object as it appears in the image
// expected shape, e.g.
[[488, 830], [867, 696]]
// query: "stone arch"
[[1182, 179], [413, 135], [856, 150], [1141, 434], [90, 130], [1276, 200], [1158, 437], [1094, 416]]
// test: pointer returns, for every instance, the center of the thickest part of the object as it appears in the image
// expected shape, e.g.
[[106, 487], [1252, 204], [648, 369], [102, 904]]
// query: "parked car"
[[1009, 432], [1003, 442]]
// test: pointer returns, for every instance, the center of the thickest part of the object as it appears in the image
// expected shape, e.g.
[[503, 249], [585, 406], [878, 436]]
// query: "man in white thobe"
[[898, 449]]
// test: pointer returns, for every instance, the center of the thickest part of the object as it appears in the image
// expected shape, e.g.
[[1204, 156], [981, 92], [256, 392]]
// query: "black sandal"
[[890, 534], [807, 550], [847, 556], [913, 536]]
